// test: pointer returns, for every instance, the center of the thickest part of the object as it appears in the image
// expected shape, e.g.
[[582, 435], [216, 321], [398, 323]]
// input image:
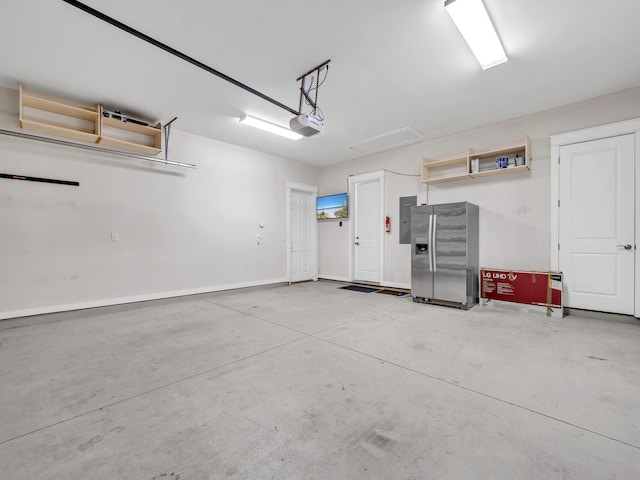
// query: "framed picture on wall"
[[333, 207]]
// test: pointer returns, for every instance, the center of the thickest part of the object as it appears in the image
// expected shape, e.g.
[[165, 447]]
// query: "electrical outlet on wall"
[[259, 238], [115, 237]]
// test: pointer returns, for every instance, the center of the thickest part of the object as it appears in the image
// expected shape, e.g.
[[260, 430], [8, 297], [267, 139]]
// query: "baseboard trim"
[[614, 317], [333, 277], [133, 299]]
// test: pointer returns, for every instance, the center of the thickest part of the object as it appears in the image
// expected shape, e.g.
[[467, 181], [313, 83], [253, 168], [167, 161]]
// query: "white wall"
[[180, 230], [396, 267], [185, 231], [514, 208]]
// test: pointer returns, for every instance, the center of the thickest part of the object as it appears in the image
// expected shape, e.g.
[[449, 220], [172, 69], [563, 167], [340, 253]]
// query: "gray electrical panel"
[[404, 227]]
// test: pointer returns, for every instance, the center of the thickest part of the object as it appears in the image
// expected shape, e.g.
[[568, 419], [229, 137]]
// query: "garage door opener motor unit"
[[307, 124]]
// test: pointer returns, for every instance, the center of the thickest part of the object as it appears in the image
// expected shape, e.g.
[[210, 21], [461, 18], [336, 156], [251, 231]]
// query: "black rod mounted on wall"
[[38, 179], [173, 51]]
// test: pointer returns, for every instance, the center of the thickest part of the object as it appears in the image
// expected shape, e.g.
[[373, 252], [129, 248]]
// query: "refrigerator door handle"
[[429, 244], [433, 242]]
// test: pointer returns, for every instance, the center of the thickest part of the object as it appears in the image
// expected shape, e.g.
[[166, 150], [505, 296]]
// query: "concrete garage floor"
[[312, 382]]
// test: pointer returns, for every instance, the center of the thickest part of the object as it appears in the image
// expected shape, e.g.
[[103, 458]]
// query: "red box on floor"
[[530, 291]]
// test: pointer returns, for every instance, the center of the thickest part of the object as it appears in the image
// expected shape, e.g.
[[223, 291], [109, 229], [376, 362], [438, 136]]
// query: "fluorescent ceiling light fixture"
[[269, 127], [474, 24]]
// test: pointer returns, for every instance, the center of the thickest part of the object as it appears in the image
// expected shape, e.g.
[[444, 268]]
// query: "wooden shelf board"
[[452, 178], [500, 171], [152, 131], [502, 150], [52, 123], [129, 146], [58, 129], [445, 162], [57, 106]]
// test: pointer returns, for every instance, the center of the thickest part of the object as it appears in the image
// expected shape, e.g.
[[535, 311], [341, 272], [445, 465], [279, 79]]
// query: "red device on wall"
[[387, 224]]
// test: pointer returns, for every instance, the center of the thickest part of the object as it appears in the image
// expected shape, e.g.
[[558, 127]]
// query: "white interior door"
[[368, 225], [597, 224], [302, 261]]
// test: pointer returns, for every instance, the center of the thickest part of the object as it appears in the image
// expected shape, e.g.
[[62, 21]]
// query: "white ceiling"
[[394, 64]]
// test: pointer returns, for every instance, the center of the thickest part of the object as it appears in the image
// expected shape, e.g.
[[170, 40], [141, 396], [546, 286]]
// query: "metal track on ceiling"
[[177, 53]]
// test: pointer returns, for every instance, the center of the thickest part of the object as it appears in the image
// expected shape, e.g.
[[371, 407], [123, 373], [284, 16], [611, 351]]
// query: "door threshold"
[[612, 317]]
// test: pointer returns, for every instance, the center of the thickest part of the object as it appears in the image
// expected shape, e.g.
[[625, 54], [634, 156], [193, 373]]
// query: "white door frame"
[[586, 135], [353, 180], [313, 221]]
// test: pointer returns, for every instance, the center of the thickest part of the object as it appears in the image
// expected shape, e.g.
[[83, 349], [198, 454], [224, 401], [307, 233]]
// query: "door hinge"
[[558, 203], [558, 160], [558, 247]]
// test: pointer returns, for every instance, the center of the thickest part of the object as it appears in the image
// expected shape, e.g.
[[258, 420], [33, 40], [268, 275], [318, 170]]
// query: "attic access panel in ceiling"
[[388, 141]]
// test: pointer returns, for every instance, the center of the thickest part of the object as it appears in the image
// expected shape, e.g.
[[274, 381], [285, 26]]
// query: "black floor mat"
[[357, 288]]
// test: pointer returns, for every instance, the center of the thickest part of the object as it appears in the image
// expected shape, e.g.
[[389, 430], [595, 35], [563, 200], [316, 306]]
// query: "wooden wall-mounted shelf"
[[59, 117], [130, 136], [54, 116], [460, 167]]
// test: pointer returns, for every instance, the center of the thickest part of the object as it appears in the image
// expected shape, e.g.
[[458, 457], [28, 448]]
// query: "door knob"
[[626, 247], [357, 243]]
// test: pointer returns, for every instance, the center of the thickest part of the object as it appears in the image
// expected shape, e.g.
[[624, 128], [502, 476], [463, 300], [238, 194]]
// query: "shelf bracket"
[[167, 132]]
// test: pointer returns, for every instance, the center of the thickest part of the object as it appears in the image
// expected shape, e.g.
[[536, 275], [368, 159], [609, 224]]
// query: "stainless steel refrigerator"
[[444, 254]]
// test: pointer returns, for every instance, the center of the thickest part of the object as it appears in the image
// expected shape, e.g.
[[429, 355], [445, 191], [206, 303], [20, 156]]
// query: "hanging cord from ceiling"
[[403, 174], [305, 93], [173, 51]]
